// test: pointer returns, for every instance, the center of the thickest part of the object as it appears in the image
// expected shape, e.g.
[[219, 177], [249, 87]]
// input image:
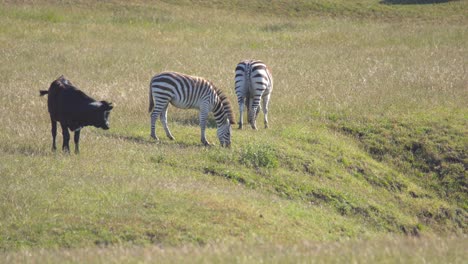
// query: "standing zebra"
[[184, 91], [253, 82]]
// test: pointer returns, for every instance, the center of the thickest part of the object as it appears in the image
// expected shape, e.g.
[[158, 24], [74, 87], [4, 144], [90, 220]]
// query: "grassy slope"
[[371, 140]]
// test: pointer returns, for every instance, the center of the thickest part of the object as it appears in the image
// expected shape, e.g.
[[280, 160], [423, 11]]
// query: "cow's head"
[[101, 114], [106, 108]]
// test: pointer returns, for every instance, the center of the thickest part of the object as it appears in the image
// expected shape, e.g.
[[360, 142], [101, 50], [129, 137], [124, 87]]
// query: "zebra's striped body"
[[253, 83], [184, 91]]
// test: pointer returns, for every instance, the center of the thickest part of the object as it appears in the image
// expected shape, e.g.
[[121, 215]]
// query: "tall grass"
[[382, 250], [367, 138]]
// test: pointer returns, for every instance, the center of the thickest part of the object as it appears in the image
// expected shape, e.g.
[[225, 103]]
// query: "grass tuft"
[[259, 156]]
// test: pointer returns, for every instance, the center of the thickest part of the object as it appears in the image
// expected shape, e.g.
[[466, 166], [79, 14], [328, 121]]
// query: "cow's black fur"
[[74, 110]]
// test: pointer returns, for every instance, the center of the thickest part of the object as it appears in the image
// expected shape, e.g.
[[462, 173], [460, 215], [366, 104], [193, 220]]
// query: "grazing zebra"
[[253, 82], [184, 91]]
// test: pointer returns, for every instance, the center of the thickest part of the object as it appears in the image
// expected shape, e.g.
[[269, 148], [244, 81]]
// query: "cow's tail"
[[151, 102], [43, 92]]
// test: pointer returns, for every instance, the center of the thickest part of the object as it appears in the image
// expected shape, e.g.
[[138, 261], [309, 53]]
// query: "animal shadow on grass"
[[147, 140], [194, 121], [413, 2], [129, 138]]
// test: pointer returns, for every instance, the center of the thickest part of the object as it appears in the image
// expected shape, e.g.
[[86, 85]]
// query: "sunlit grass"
[[383, 250], [367, 138]]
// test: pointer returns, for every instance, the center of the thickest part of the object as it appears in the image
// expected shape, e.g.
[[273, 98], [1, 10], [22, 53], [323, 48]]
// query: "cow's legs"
[[54, 134], [77, 140], [66, 138]]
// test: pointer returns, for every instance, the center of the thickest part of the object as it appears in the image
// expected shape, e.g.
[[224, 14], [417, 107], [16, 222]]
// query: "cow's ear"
[[107, 106]]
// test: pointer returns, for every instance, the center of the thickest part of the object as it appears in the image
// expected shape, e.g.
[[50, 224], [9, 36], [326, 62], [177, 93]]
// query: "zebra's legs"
[[203, 117], [241, 111], [241, 87], [154, 117], [265, 102], [164, 122], [247, 103], [253, 112]]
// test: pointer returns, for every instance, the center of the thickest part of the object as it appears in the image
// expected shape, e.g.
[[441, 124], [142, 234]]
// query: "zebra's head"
[[224, 134], [226, 119]]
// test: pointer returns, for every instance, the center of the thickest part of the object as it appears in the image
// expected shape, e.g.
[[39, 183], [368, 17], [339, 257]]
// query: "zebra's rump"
[[252, 77]]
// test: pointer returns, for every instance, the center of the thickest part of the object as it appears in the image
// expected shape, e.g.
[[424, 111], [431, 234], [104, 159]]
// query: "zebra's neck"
[[219, 113]]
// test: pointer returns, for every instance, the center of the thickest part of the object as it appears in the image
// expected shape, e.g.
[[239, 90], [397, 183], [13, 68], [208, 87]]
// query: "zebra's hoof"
[[155, 137], [171, 137]]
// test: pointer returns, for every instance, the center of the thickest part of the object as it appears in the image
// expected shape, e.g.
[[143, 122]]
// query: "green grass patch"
[[432, 146], [259, 156], [367, 134]]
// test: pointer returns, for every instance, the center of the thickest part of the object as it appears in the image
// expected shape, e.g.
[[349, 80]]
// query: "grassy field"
[[366, 153]]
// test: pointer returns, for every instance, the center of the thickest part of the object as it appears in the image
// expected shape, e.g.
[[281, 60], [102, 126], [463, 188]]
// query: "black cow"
[[74, 110]]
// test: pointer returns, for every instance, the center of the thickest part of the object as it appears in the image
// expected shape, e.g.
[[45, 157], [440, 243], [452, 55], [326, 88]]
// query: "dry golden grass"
[[386, 78], [383, 250]]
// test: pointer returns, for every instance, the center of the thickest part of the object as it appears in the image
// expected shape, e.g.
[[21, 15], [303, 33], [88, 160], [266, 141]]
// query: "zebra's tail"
[[43, 92], [151, 102]]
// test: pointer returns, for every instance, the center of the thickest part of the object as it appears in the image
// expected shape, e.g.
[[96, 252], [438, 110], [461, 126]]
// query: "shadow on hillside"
[[413, 2]]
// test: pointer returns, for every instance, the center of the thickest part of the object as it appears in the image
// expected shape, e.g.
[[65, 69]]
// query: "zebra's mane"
[[226, 105]]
